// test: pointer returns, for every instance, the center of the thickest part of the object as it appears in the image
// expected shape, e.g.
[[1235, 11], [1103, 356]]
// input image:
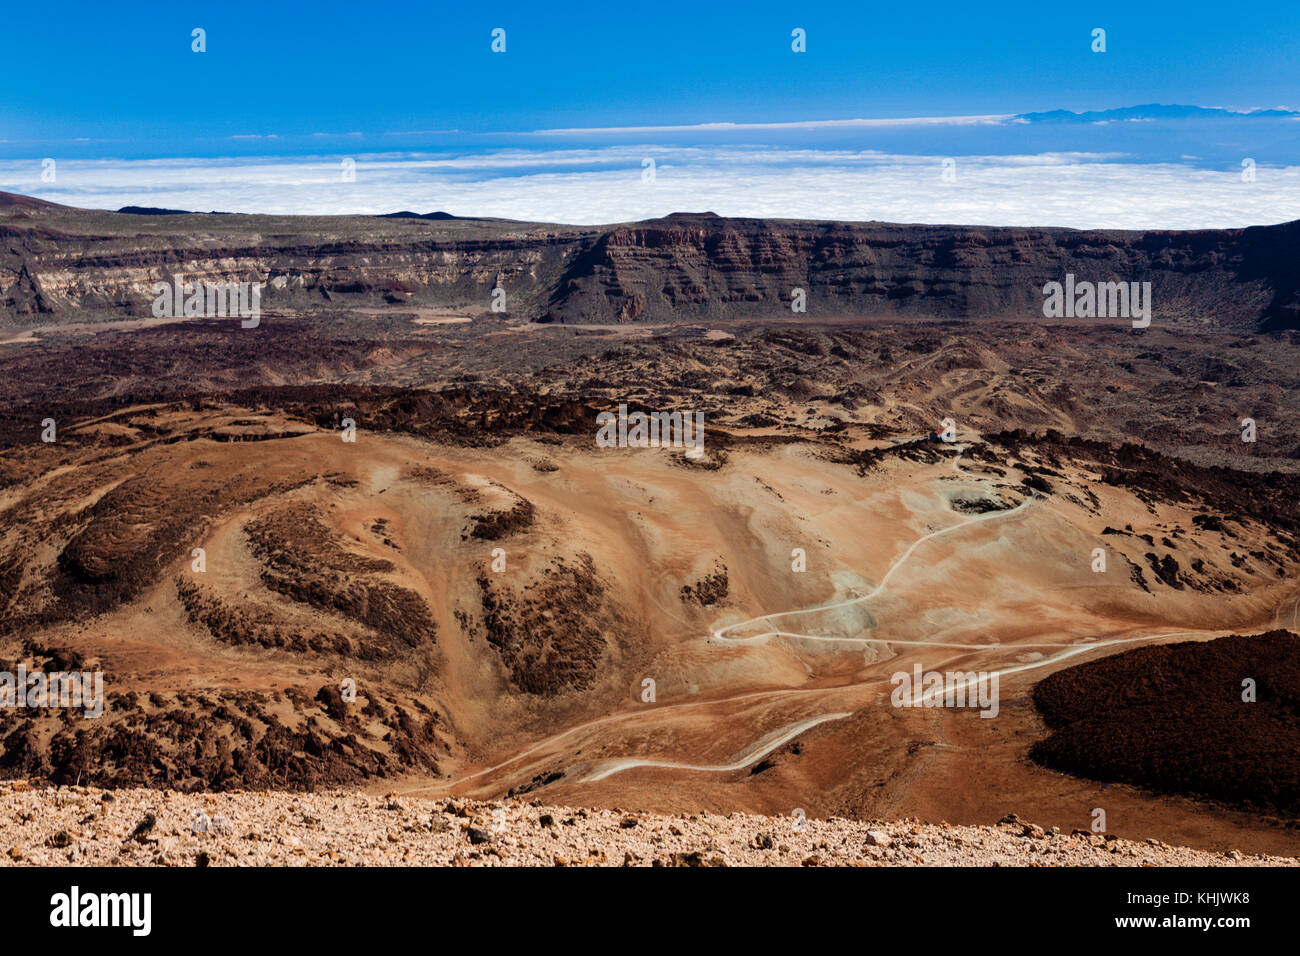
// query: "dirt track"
[[323, 556]]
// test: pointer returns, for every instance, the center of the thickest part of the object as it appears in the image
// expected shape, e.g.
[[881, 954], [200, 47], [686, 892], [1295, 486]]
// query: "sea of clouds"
[[609, 183]]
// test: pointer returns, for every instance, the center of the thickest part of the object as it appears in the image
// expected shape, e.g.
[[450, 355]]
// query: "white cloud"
[[602, 185], [876, 123]]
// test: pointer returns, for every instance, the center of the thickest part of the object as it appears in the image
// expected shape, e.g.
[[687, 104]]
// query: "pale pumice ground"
[[51, 826]]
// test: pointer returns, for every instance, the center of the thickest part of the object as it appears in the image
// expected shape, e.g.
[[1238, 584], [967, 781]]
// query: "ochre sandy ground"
[[1014, 594], [85, 826]]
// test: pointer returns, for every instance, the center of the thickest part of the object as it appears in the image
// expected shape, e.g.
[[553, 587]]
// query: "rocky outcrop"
[[1212, 719], [57, 263]]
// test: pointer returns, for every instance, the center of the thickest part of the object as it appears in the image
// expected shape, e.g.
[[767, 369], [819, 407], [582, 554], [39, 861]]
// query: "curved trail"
[[770, 742], [720, 633], [617, 765], [613, 718], [756, 751]]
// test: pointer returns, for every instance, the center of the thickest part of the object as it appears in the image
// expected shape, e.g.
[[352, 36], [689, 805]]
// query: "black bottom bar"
[[338, 906]]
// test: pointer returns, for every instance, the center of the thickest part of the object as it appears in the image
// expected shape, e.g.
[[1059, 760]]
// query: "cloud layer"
[[613, 184]]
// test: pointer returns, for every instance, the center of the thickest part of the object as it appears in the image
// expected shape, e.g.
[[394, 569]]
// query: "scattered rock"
[[337, 828], [142, 829]]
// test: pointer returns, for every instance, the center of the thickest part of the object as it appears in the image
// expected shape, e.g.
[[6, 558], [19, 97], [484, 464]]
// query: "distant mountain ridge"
[[1151, 111]]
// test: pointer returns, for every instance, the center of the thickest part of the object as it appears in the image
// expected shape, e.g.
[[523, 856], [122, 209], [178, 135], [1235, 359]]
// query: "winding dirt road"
[[777, 738]]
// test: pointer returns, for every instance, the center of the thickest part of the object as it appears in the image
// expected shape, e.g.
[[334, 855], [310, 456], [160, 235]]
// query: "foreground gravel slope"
[[81, 825]]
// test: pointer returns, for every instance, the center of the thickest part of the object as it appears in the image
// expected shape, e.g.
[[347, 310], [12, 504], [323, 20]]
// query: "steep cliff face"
[[59, 274], [58, 263], [697, 267]]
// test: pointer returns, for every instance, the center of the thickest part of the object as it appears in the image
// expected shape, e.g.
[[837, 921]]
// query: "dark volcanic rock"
[[1172, 718], [684, 267]]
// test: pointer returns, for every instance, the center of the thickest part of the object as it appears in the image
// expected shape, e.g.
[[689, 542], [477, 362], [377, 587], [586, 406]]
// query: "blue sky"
[[106, 106], [125, 72]]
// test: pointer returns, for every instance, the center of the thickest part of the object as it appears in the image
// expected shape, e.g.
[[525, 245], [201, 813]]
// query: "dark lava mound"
[[1172, 719]]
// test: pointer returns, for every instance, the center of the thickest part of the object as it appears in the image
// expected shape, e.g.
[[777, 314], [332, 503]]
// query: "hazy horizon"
[[941, 114], [1142, 170]]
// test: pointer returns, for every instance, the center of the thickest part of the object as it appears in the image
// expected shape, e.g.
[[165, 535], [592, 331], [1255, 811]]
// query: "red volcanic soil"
[[15, 201], [1172, 719]]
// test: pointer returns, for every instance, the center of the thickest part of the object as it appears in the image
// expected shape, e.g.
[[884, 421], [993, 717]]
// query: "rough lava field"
[[498, 590]]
